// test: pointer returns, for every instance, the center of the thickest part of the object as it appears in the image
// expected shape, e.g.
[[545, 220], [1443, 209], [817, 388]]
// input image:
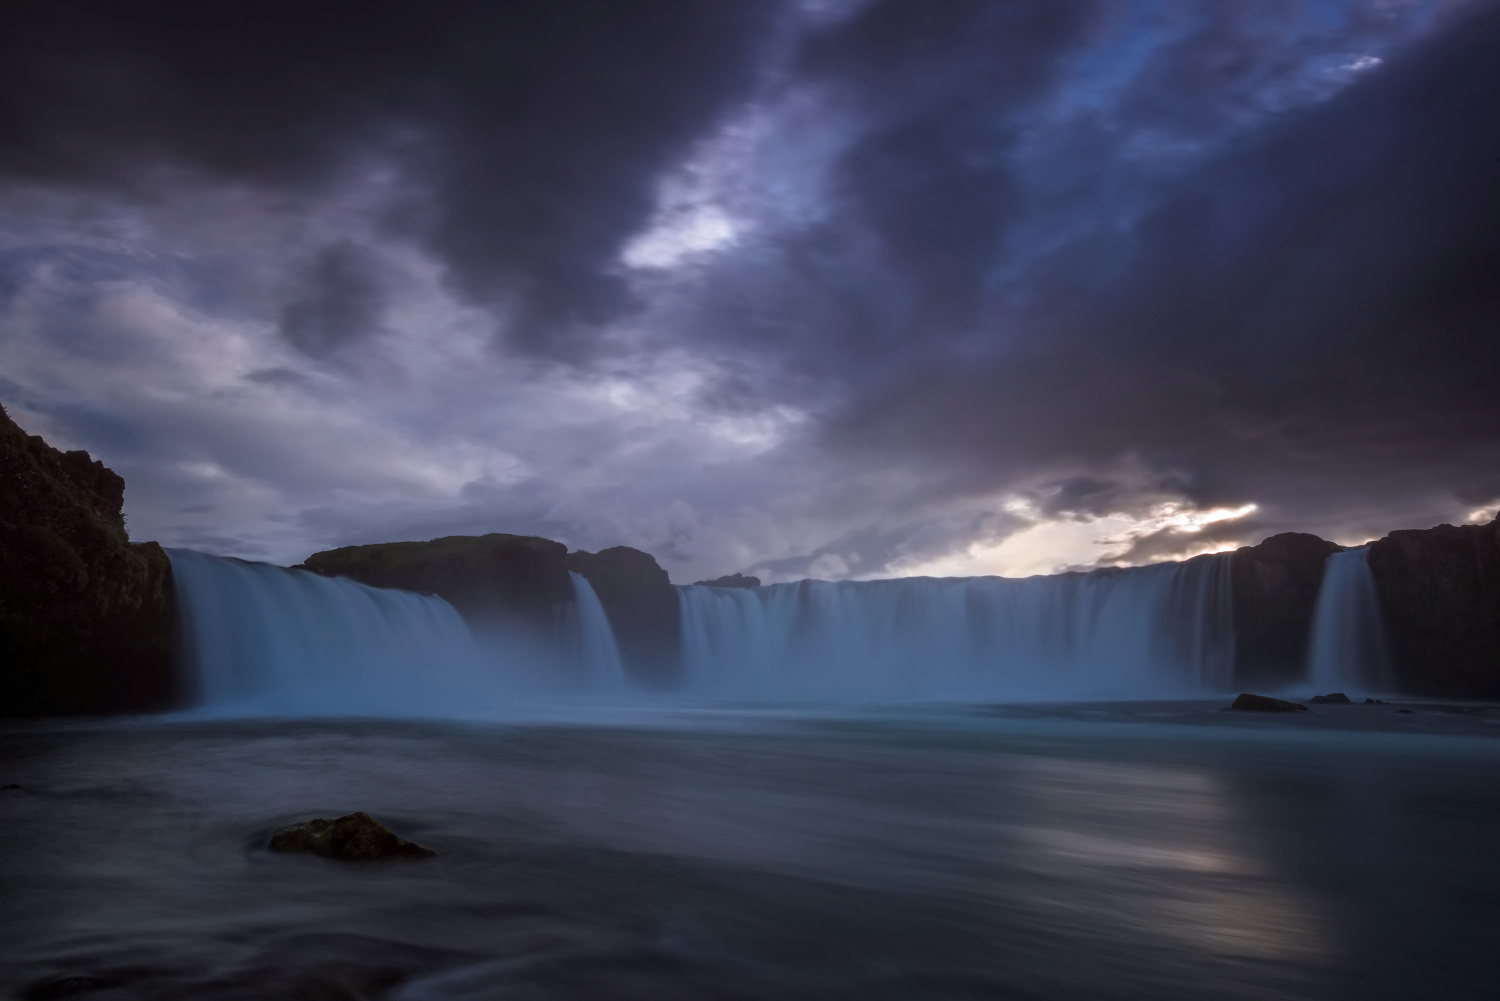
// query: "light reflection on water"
[[792, 859]]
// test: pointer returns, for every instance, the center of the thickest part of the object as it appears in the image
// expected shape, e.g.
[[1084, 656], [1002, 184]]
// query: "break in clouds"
[[829, 288]]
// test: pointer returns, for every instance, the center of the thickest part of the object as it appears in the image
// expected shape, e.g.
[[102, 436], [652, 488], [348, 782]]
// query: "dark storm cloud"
[[921, 275], [340, 303], [941, 83], [531, 132], [1309, 316]]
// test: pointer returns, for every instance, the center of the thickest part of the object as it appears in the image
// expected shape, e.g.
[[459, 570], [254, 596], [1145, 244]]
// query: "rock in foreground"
[[1266, 704], [358, 836]]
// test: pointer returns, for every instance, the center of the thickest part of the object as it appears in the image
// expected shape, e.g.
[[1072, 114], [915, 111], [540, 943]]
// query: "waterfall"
[[1348, 648], [604, 671], [263, 639], [1161, 630]]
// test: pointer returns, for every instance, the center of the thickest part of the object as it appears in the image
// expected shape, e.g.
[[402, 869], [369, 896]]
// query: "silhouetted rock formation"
[[1440, 589], [642, 607], [497, 580], [1275, 593], [1265, 704], [489, 579], [86, 618], [730, 580], [357, 837]]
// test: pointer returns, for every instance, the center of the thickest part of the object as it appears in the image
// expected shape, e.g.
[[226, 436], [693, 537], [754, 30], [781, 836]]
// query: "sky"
[[830, 288]]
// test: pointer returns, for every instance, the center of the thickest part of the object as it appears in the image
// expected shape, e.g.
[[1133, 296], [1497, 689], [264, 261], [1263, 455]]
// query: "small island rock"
[[356, 836], [1266, 704], [1331, 697]]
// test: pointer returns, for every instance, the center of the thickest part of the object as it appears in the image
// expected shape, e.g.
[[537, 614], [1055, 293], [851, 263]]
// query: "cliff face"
[[490, 579], [1440, 589], [503, 579], [86, 618], [1275, 593]]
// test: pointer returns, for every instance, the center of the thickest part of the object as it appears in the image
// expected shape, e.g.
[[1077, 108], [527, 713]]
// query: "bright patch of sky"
[[1053, 545]]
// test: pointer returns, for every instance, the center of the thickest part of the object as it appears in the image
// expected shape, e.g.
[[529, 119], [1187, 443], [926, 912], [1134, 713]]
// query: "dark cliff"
[[86, 618], [1275, 593], [1440, 589], [489, 578], [505, 579]]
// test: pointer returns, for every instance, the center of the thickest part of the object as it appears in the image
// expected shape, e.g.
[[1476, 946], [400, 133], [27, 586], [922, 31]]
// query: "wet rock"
[[67, 987], [1332, 697], [1376, 702], [1266, 704], [357, 836]]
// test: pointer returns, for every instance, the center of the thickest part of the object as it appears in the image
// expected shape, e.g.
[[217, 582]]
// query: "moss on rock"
[[356, 837]]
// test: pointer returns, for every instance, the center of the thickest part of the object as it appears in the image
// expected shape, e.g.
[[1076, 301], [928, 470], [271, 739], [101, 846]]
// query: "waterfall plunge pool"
[[1143, 850]]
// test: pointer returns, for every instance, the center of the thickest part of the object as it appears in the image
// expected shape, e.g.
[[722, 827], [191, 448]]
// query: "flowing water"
[[620, 847], [1149, 631], [1090, 852], [1348, 648]]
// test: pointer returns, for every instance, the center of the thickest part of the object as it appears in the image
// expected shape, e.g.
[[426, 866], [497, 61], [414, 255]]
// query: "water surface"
[[1131, 851]]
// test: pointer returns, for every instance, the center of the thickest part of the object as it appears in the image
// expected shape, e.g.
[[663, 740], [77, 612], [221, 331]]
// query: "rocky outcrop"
[[503, 580], [356, 837], [490, 579], [1246, 702], [86, 618], [642, 607], [1275, 586], [1440, 591], [730, 580]]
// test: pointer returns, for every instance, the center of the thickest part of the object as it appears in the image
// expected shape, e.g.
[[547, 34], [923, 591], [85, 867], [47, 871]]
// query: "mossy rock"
[[355, 837]]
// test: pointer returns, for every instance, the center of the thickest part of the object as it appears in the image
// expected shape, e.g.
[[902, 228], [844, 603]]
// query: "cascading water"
[[1348, 648], [267, 640], [1160, 630], [598, 653]]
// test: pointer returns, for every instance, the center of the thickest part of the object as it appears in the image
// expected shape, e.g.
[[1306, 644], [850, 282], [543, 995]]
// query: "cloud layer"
[[836, 288]]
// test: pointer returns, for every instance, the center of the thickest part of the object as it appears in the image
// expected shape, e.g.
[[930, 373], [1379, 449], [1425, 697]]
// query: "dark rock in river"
[[1440, 591], [357, 836], [86, 618], [1266, 704], [729, 580], [1339, 697], [1275, 592]]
